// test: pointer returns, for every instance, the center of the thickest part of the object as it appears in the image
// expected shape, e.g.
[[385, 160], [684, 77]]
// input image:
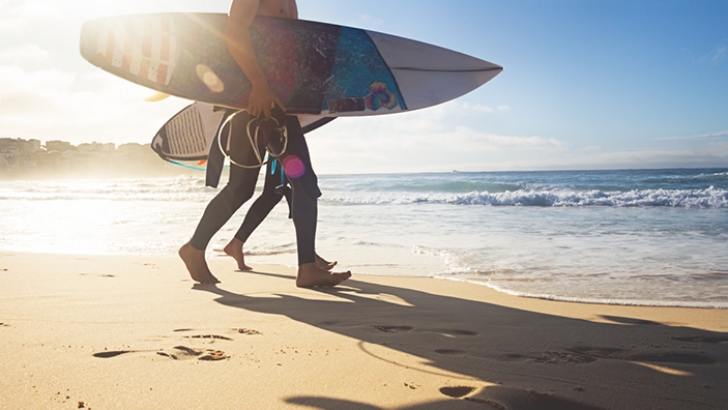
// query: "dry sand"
[[107, 332]]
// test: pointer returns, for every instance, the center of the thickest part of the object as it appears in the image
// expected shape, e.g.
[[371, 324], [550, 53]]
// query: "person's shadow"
[[626, 363]]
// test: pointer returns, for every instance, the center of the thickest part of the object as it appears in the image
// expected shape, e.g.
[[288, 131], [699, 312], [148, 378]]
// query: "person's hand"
[[262, 100]]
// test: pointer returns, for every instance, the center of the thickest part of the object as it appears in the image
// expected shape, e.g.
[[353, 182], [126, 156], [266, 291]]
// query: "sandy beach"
[[106, 332]]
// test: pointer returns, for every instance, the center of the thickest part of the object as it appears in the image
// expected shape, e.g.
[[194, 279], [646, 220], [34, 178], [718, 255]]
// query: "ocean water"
[[657, 237]]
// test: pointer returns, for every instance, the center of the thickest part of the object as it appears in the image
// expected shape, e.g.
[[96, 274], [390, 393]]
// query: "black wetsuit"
[[241, 185], [275, 188]]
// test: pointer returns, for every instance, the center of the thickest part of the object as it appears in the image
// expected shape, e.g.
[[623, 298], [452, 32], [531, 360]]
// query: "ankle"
[[190, 247], [307, 267], [235, 243]]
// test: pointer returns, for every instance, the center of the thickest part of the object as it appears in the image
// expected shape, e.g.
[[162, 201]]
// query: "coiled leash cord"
[[253, 137]]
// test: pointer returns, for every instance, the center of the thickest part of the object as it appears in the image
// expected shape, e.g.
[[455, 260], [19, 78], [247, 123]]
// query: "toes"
[[337, 278], [331, 280]]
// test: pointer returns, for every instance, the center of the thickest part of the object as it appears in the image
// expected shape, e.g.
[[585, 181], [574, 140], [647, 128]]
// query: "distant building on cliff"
[[95, 147], [59, 146], [12, 151], [20, 157]]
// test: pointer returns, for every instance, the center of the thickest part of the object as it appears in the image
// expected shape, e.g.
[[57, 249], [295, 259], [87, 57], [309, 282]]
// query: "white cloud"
[[50, 103], [481, 108], [703, 136], [710, 156], [24, 55], [433, 139]]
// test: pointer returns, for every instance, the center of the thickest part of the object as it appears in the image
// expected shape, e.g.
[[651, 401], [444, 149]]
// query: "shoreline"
[[475, 282], [610, 302]]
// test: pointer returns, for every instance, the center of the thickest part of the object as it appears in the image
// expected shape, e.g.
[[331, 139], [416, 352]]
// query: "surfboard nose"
[[429, 75]]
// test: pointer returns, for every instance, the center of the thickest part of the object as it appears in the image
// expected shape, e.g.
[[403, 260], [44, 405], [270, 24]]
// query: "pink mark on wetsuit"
[[294, 167]]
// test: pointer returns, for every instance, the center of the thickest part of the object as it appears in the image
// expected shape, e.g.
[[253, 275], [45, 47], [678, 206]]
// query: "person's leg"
[[304, 184], [239, 189], [305, 219], [256, 214]]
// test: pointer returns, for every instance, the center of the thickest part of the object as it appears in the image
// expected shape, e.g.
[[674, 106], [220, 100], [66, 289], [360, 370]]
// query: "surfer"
[[241, 185]]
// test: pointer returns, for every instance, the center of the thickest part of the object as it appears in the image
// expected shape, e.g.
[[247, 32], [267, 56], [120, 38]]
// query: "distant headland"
[[21, 158]]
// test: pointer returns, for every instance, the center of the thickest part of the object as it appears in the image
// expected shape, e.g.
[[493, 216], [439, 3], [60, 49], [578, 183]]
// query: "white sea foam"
[[604, 301], [674, 198]]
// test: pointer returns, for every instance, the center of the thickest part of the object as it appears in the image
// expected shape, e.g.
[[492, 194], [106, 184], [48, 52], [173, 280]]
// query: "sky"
[[587, 84]]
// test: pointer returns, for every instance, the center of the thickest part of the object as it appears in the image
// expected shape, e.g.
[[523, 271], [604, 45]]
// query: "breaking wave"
[[708, 198]]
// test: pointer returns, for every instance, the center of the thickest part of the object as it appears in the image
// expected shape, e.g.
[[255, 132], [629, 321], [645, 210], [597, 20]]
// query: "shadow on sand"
[[628, 363]]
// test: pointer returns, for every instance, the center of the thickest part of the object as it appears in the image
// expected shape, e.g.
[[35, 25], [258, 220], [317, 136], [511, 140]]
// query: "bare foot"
[[324, 264], [310, 276], [235, 250], [194, 260]]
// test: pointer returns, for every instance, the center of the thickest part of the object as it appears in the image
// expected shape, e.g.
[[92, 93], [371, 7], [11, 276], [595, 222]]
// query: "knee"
[[272, 195], [238, 195], [242, 194]]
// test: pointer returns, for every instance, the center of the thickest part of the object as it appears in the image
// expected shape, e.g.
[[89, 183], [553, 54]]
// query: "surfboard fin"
[[157, 97]]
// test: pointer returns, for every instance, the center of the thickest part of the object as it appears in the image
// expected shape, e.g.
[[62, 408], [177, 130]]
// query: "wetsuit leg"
[[239, 189], [264, 204], [304, 184]]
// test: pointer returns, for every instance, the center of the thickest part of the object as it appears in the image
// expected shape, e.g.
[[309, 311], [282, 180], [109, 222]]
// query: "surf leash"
[[274, 164], [253, 139], [185, 166]]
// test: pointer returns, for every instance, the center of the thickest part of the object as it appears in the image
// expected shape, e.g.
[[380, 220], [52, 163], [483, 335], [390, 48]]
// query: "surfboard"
[[313, 68], [189, 134]]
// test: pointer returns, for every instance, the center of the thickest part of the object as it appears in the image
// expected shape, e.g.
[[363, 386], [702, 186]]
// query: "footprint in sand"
[[451, 333], [450, 352], [503, 398], [213, 356], [211, 337], [248, 332], [393, 329], [659, 357], [116, 353], [549, 357], [576, 355], [589, 354], [457, 392], [185, 353], [177, 353], [242, 331], [563, 357], [107, 276]]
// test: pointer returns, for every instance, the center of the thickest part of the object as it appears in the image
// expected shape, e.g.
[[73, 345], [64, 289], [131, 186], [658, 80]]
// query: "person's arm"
[[240, 46]]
